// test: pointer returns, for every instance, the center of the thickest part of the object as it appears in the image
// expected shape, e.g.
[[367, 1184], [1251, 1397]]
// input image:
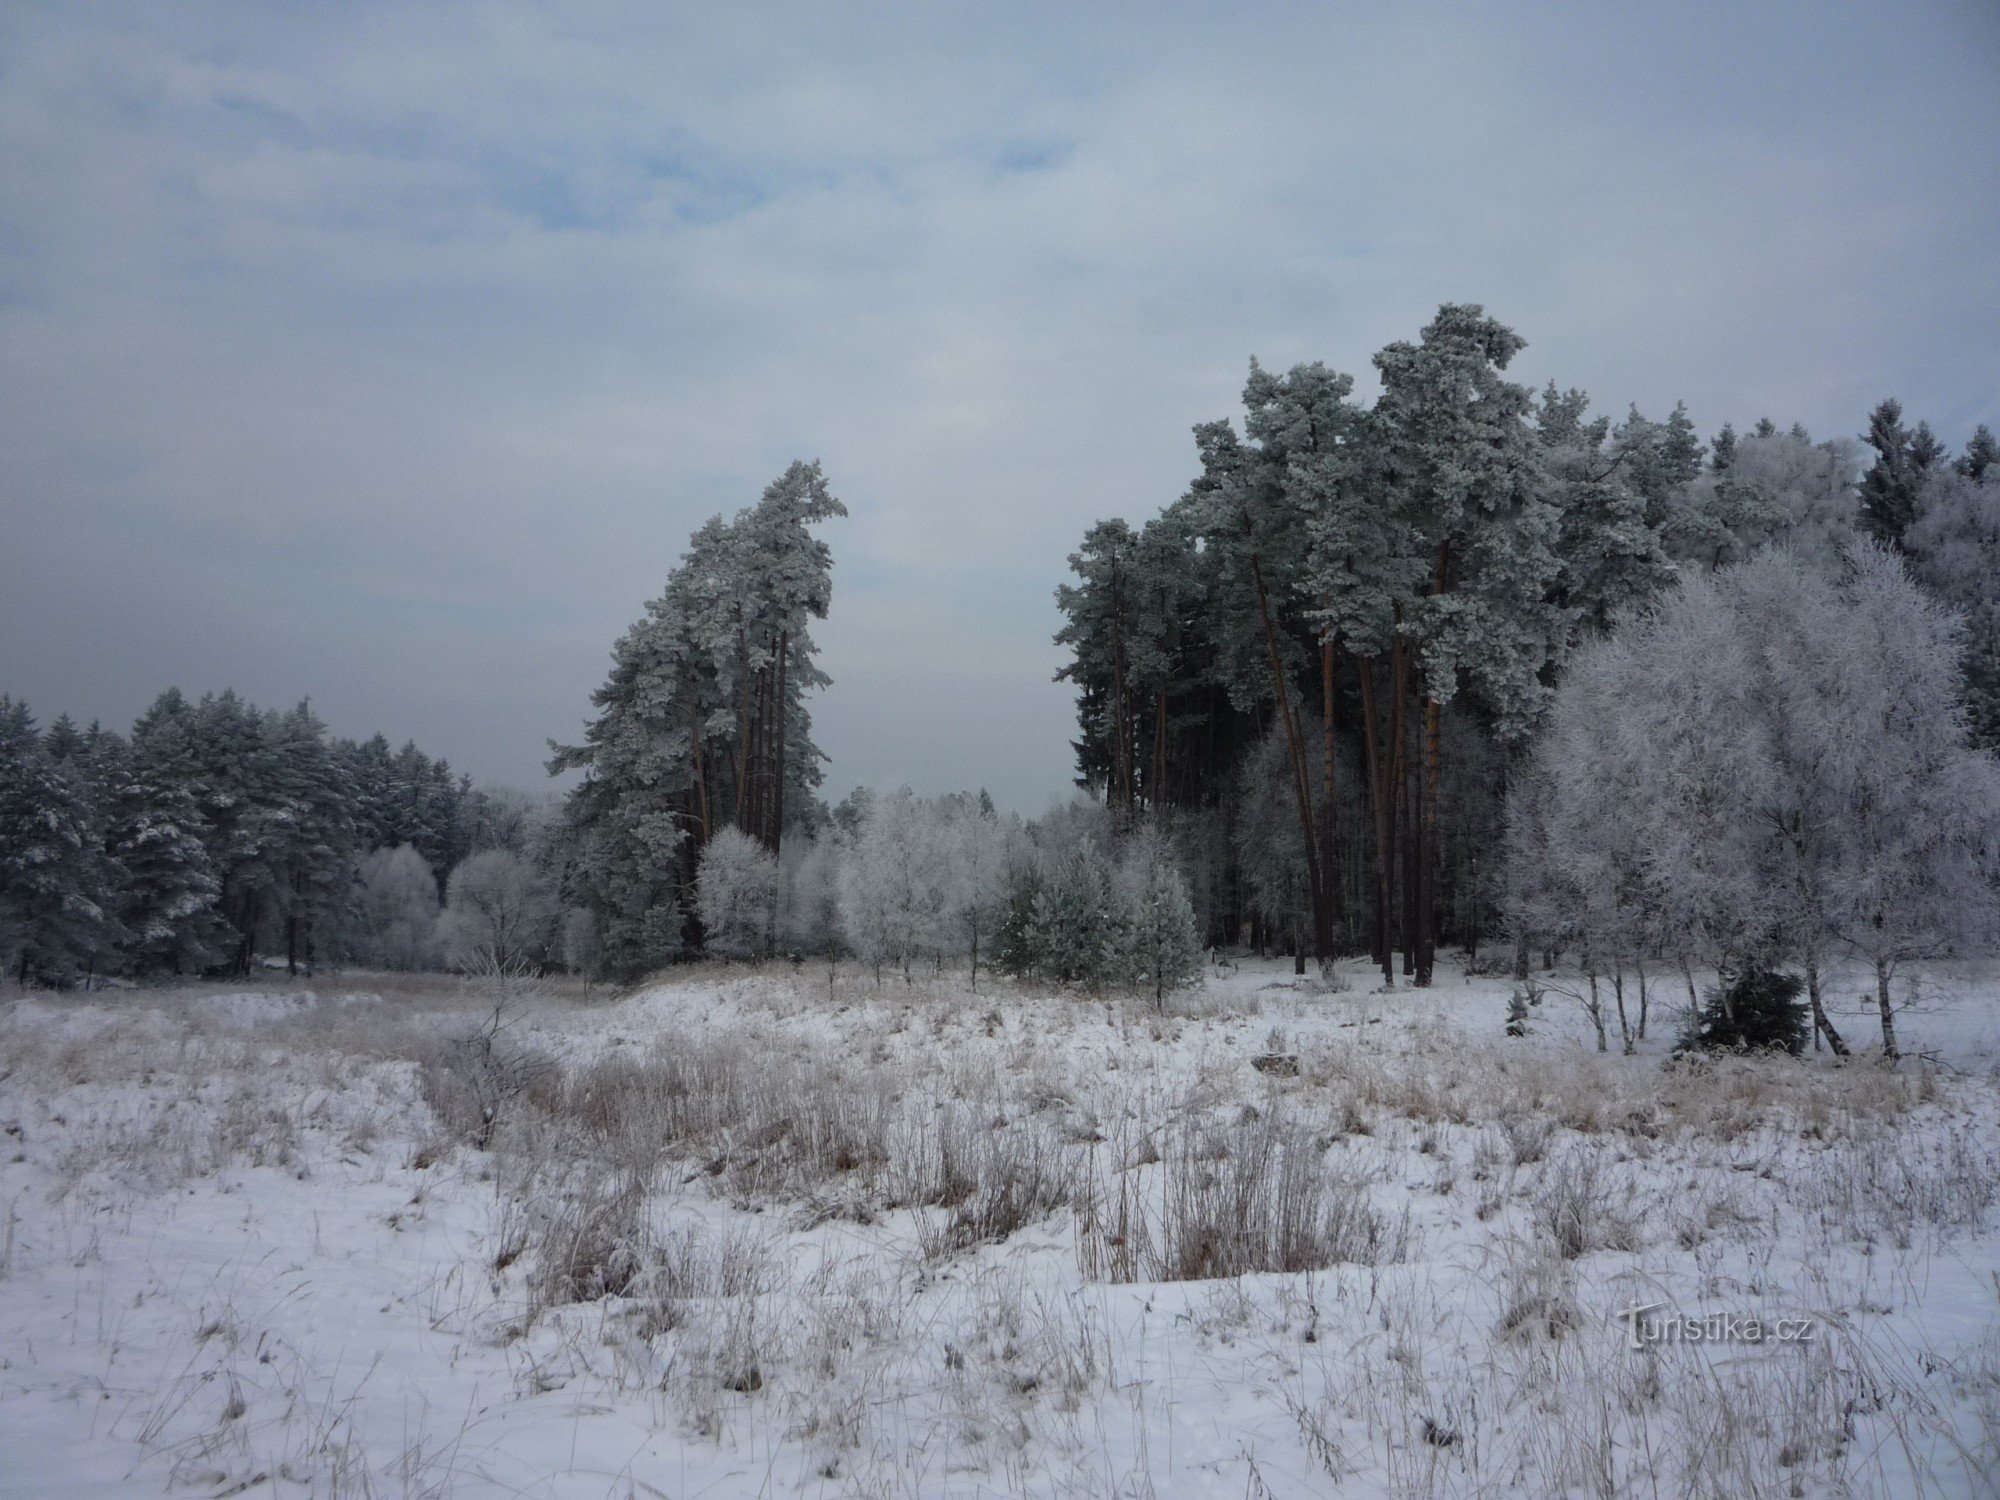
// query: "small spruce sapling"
[[1759, 1011]]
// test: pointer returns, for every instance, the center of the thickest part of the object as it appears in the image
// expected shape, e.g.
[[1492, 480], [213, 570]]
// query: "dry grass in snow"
[[778, 1232]]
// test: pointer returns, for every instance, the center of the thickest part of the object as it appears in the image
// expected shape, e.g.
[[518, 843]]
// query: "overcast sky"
[[388, 353]]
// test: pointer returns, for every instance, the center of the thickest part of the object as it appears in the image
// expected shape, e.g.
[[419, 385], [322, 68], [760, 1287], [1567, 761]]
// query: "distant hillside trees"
[[217, 832]]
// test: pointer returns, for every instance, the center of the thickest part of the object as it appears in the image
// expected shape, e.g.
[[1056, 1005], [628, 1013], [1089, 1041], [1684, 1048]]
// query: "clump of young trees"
[[1768, 766], [903, 882], [215, 831]]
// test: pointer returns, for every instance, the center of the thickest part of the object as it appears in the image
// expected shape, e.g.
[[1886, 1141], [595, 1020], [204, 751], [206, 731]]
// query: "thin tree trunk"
[[1822, 1024], [1157, 792], [1121, 718], [1378, 800], [740, 760], [1639, 963], [1618, 990], [1596, 1003], [778, 758], [1323, 910], [1427, 848], [1427, 836], [1399, 841], [1889, 1047]]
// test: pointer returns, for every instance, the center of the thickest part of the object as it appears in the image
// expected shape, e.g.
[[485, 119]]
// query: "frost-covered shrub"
[[397, 909], [736, 886], [498, 914], [1759, 1012]]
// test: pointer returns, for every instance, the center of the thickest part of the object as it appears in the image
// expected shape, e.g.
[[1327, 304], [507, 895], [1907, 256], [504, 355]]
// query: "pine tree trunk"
[[1121, 718], [1639, 964], [700, 774], [740, 760], [778, 756], [1295, 742], [1427, 835], [1399, 779], [1323, 910], [1428, 849], [1378, 801], [1157, 792]]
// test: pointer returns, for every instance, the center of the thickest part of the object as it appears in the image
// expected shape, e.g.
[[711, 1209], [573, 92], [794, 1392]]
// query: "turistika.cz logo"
[[1649, 1325]]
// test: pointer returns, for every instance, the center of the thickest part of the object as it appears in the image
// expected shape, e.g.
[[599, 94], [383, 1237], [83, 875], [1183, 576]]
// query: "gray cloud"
[[390, 353]]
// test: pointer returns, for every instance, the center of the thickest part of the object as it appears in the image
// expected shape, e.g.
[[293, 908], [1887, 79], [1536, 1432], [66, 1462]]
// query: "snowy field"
[[781, 1233]]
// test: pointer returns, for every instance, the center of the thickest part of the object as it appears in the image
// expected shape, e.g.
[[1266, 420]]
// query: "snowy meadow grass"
[[788, 1230]]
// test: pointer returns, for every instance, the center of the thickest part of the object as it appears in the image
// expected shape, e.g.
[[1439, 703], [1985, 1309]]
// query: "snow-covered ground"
[[780, 1233]]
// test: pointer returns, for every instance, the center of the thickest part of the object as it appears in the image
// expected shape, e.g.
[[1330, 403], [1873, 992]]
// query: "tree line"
[[214, 831]]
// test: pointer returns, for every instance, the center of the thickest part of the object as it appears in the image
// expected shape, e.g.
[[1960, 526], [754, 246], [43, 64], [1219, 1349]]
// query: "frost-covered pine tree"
[[56, 885], [1161, 950], [1076, 919], [1610, 492], [1904, 459], [153, 831], [736, 888], [398, 909], [308, 833], [702, 722], [1463, 470]]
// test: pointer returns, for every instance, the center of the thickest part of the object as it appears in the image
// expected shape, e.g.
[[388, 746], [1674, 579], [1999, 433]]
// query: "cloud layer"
[[389, 353]]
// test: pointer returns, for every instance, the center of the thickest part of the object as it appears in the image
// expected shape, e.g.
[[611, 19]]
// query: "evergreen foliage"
[[56, 884], [217, 831], [1757, 1011]]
